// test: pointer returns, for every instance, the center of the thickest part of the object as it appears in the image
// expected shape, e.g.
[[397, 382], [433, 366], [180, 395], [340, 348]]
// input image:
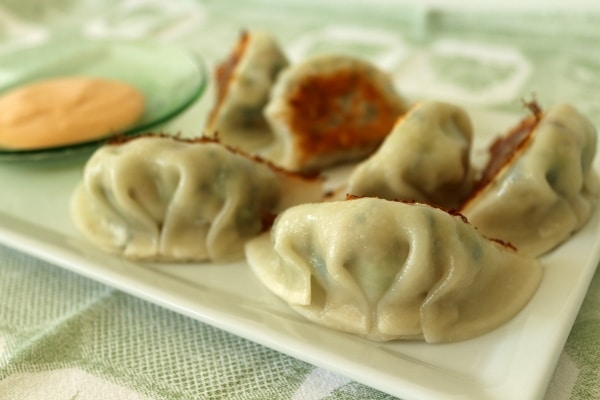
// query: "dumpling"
[[243, 84], [329, 109], [390, 270], [539, 185], [426, 158], [163, 199]]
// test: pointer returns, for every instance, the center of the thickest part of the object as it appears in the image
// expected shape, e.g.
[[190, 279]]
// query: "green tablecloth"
[[63, 336]]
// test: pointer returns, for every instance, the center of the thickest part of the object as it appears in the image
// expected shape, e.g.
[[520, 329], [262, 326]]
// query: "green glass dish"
[[171, 78]]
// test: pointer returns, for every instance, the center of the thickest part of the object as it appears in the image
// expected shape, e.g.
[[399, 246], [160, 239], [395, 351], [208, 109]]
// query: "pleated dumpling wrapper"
[[163, 199], [426, 158], [540, 185], [329, 109], [243, 85], [389, 270]]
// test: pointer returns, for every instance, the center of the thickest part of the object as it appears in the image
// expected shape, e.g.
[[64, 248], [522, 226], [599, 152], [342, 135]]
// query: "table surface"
[[63, 336]]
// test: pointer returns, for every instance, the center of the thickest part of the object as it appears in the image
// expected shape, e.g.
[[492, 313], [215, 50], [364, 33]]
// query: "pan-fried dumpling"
[[390, 270], [162, 199], [539, 185], [243, 84], [425, 158], [329, 109]]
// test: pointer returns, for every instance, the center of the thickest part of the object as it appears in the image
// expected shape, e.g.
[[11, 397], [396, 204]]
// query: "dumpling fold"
[[243, 86], [547, 187], [425, 158], [390, 270], [161, 199]]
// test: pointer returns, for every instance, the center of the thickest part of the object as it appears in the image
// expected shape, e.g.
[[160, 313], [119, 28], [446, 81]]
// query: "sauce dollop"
[[66, 110]]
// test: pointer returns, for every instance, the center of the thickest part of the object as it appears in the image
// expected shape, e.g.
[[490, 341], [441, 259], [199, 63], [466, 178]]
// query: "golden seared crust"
[[345, 109], [330, 109]]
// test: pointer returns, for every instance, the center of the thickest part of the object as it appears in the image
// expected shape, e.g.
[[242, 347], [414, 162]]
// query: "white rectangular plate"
[[514, 361]]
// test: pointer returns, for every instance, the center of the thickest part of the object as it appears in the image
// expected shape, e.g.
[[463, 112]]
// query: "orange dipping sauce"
[[67, 110]]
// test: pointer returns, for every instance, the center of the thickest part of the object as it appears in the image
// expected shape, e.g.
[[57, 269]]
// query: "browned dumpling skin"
[[330, 109]]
